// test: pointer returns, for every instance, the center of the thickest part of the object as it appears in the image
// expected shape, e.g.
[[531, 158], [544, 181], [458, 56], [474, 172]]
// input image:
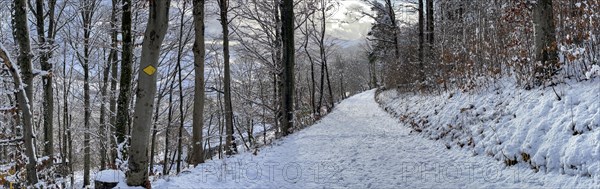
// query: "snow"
[[359, 145], [594, 71], [110, 176], [38, 72], [533, 127]]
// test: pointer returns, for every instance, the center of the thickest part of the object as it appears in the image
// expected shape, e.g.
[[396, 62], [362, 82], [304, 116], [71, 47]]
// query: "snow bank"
[[513, 125]]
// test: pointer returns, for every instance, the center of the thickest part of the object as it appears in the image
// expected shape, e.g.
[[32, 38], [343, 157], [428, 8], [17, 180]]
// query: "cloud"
[[347, 22]]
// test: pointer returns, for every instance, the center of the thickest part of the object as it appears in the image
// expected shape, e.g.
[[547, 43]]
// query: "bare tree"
[[46, 42], [109, 74], [421, 38], [155, 33], [24, 83], [113, 82], [26, 116], [197, 154], [87, 13], [287, 29], [122, 116], [230, 147]]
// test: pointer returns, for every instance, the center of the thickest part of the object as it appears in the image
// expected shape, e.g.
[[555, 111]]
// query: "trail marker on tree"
[[150, 70]]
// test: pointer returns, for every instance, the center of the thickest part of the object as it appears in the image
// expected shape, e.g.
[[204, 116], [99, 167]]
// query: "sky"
[[342, 25]]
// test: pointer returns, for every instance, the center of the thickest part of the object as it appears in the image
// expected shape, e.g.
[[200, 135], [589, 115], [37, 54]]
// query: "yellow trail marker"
[[150, 70]]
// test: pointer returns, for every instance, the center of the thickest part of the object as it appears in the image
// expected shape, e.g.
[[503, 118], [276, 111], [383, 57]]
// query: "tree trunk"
[[21, 34], [287, 31], [22, 99], [169, 119], [372, 70], [230, 148], [277, 64], [312, 74], [421, 40], [67, 121], [45, 43], [394, 26], [430, 20], [181, 100], [545, 42], [122, 116], [197, 154], [146, 89], [87, 13], [113, 83]]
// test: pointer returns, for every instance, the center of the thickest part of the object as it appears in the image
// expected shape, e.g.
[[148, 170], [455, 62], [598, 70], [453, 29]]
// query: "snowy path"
[[359, 145]]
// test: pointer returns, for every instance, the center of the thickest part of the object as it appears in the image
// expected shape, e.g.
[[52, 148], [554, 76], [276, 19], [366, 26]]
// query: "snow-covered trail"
[[359, 145]]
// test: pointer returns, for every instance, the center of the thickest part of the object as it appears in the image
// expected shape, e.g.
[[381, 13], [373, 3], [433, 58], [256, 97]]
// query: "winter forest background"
[[84, 88]]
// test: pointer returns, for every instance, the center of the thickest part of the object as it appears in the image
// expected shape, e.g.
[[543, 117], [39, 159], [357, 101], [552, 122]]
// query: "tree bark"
[[87, 13], [113, 83], [197, 154], [169, 119], [180, 80], [24, 84], [23, 100], [392, 15], [287, 29], [122, 116], [230, 148], [430, 25], [108, 72], [45, 42], [545, 41], [421, 40], [146, 90]]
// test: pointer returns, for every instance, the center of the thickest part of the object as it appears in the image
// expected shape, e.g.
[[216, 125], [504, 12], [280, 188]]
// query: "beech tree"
[[156, 29], [197, 154]]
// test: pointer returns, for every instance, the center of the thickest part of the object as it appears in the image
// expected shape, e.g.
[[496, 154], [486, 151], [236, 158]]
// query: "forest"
[[152, 88]]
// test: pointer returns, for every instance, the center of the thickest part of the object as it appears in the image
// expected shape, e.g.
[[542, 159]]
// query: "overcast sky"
[[342, 25]]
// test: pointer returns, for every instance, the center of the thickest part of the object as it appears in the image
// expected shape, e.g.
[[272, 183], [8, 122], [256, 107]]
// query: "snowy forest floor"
[[359, 145]]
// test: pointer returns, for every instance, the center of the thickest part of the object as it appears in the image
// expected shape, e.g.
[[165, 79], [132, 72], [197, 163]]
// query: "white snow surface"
[[110, 176], [510, 124], [359, 145]]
